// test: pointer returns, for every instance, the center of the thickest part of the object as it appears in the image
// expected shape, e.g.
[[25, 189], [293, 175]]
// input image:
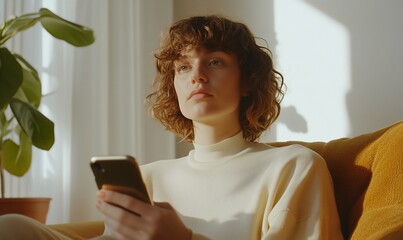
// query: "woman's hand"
[[130, 218]]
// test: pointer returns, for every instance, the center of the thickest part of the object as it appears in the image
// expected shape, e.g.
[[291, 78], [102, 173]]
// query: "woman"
[[217, 88]]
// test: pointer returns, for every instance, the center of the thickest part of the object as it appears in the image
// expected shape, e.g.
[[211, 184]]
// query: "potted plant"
[[22, 125]]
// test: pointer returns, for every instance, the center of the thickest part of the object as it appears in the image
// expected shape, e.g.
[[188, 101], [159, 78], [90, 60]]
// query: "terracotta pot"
[[36, 208]]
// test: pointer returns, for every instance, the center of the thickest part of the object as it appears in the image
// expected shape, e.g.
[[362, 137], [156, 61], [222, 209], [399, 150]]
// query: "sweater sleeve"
[[303, 204]]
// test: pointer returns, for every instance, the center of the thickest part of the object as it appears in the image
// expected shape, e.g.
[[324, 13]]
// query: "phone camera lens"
[[99, 167]]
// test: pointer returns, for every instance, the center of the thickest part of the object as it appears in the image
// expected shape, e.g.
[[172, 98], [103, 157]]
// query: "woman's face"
[[207, 84]]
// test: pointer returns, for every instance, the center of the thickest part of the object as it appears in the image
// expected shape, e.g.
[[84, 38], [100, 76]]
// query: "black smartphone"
[[121, 174]]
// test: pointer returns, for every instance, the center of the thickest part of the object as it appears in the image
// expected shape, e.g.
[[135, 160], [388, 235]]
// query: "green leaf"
[[3, 120], [10, 76], [70, 32], [17, 159], [4, 126], [17, 24], [31, 84], [39, 129]]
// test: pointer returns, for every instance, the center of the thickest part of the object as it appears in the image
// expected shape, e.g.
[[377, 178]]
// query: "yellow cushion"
[[85, 230], [367, 173]]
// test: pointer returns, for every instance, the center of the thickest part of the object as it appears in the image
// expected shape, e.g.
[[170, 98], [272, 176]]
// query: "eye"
[[216, 63], [182, 68]]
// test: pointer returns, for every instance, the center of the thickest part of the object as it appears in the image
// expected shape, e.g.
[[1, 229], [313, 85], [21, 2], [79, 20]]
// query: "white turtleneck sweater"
[[239, 190]]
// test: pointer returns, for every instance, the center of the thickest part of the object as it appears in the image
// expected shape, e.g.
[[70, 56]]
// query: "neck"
[[206, 134]]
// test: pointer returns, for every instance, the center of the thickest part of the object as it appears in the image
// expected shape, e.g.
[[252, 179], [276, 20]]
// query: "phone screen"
[[121, 174]]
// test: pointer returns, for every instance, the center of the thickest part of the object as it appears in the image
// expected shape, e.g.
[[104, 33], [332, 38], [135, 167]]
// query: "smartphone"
[[121, 174]]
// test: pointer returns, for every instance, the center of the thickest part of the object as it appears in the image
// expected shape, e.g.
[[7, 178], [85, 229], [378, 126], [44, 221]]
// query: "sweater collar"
[[220, 151]]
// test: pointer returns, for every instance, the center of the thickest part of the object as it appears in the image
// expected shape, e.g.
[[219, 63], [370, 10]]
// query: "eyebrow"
[[181, 58], [208, 51]]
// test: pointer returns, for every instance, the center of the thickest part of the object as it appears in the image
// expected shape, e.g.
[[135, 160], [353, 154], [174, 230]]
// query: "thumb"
[[164, 205]]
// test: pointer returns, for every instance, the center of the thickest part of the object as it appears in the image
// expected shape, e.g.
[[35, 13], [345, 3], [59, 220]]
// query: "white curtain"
[[95, 95]]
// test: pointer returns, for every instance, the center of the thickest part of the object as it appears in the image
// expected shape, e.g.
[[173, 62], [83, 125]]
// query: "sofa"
[[367, 173]]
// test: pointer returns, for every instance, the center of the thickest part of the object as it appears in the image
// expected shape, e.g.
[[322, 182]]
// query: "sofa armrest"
[[83, 230]]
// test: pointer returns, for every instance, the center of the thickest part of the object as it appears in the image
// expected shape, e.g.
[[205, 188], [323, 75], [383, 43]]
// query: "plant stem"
[[1, 177]]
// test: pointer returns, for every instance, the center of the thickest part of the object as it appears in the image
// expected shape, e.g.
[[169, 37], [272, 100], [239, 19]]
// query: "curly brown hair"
[[258, 110]]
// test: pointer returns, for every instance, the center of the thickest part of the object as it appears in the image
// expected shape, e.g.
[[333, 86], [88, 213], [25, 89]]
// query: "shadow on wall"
[[375, 98], [294, 121]]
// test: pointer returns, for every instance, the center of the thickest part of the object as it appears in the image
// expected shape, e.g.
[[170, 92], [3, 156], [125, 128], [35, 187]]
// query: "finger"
[[164, 205], [116, 235], [128, 191], [120, 231], [121, 220], [132, 204]]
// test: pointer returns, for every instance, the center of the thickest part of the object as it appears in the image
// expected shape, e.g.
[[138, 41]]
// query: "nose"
[[199, 74]]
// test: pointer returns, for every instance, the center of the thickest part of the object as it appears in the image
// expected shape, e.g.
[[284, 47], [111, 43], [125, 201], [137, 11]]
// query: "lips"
[[199, 93]]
